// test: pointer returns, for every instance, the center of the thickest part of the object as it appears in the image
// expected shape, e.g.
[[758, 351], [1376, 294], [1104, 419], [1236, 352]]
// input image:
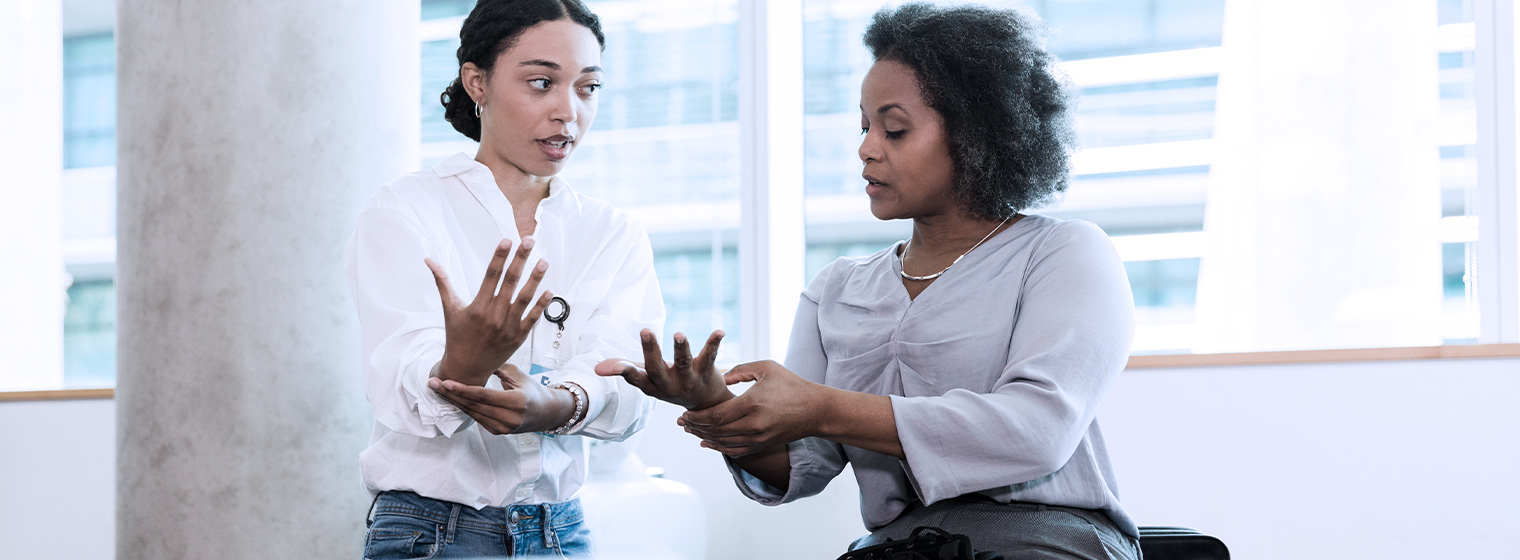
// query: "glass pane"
[[1166, 165], [89, 101], [665, 145], [89, 335], [436, 9]]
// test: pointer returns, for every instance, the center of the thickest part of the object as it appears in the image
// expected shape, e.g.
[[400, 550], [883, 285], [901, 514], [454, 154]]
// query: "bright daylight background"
[[1325, 196], [1277, 175]]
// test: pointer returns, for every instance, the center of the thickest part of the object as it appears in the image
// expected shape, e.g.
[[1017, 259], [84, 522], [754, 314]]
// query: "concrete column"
[[32, 279], [1324, 199], [249, 134]]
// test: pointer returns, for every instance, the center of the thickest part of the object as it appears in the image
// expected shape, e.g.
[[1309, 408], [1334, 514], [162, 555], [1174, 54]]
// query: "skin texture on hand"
[[481, 336], [521, 406], [693, 383], [781, 408]]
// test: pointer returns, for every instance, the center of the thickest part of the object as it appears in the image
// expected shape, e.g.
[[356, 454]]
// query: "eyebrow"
[[885, 108], [555, 65]]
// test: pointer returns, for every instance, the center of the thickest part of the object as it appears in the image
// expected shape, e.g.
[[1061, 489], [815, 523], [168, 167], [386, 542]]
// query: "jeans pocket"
[[574, 540], [400, 537]]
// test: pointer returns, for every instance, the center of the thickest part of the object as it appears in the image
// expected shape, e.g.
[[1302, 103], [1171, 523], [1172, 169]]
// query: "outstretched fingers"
[[654, 363], [525, 296], [493, 271], [709, 354], [682, 353], [513, 274]]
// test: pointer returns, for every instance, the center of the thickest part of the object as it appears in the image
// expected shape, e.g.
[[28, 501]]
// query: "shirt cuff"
[[599, 398], [805, 479], [438, 412]]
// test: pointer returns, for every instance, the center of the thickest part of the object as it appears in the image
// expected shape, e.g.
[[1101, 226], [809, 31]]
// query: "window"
[[1326, 247], [1166, 121], [665, 144]]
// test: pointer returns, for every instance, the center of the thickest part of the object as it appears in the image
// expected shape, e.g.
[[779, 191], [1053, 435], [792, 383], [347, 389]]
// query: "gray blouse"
[[995, 371]]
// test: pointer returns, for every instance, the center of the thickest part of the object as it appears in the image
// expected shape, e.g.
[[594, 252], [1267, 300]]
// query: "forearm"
[[772, 466], [860, 420]]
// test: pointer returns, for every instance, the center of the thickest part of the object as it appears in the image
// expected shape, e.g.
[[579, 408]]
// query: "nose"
[[565, 108], [870, 148]]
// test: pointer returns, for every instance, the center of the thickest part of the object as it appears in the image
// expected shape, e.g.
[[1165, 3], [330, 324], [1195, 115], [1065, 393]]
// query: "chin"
[[883, 211]]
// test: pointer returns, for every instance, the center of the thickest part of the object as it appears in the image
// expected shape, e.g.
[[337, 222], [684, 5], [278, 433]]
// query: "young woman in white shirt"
[[484, 396]]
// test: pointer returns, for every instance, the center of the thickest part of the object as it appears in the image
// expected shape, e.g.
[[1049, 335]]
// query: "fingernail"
[[541, 266], [680, 338], [527, 243], [434, 384], [646, 337]]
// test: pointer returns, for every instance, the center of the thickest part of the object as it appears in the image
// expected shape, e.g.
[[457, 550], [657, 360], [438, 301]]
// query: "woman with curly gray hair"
[[959, 372]]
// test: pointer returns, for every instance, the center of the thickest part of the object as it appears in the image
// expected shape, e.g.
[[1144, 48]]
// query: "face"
[[540, 98], [908, 169]]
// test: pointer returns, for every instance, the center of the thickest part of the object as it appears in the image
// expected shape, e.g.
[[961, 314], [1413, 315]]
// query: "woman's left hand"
[[780, 408], [521, 406]]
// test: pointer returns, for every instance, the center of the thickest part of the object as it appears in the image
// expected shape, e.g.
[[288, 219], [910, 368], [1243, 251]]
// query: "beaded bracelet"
[[578, 395]]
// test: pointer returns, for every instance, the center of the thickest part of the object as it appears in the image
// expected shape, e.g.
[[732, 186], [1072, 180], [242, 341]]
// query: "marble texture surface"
[[249, 136]]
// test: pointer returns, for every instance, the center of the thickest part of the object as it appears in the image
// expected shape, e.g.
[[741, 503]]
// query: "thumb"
[[613, 367], [742, 373], [441, 279], [511, 377]]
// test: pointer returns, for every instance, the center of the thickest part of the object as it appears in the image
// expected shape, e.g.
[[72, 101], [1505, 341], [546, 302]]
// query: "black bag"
[[925, 543], [1180, 543]]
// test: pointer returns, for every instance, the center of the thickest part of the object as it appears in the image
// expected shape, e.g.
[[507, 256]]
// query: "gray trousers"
[[1018, 530]]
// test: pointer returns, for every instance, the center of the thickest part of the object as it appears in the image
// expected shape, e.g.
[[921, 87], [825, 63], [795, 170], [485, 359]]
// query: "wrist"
[[448, 368], [829, 411], [570, 403], [721, 396]]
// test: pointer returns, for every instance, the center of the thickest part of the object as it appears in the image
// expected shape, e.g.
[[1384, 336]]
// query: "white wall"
[[1396, 460], [58, 480]]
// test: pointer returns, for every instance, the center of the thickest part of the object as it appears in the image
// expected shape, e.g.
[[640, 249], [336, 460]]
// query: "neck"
[[516, 184], [951, 233]]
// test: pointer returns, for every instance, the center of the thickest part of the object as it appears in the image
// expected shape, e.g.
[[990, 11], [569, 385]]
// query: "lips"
[[873, 185], [556, 147]]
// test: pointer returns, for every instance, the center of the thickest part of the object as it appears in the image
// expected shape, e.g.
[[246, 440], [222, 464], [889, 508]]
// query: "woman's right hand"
[[481, 336], [691, 383]]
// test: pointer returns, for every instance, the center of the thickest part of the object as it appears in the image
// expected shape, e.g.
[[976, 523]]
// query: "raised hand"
[[778, 409], [692, 383], [521, 406], [481, 336]]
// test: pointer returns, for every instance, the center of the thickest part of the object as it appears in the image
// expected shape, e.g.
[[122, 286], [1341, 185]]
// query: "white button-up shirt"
[[600, 262]]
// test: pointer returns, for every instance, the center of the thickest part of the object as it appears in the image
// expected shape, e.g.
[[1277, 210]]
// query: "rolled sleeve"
[[401, 319], [815, 462]]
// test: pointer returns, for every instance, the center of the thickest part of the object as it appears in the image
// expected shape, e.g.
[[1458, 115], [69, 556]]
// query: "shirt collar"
[[478, 178], [456, 164]]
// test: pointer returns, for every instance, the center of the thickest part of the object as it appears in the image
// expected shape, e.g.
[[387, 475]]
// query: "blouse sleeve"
[[1071, 339], [815, 461], [401, 323], [616, 409]]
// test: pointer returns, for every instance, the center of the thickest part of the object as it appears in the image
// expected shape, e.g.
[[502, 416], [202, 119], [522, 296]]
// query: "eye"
[[591, 88], [895, 134], [539, 83]]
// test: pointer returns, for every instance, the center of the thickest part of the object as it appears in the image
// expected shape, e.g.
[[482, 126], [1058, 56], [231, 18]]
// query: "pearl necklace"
[[902, 259]]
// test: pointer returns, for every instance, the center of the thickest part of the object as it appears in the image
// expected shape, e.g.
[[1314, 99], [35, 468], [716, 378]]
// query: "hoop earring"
[[477, 110]]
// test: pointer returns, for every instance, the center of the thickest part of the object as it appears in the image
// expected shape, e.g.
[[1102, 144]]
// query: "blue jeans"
[[404, 525]]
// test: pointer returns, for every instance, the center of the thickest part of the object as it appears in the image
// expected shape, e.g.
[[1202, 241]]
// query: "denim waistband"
[[514, 519]]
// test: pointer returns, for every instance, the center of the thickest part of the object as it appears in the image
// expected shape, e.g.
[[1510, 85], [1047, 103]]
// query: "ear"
[[474, 80]]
